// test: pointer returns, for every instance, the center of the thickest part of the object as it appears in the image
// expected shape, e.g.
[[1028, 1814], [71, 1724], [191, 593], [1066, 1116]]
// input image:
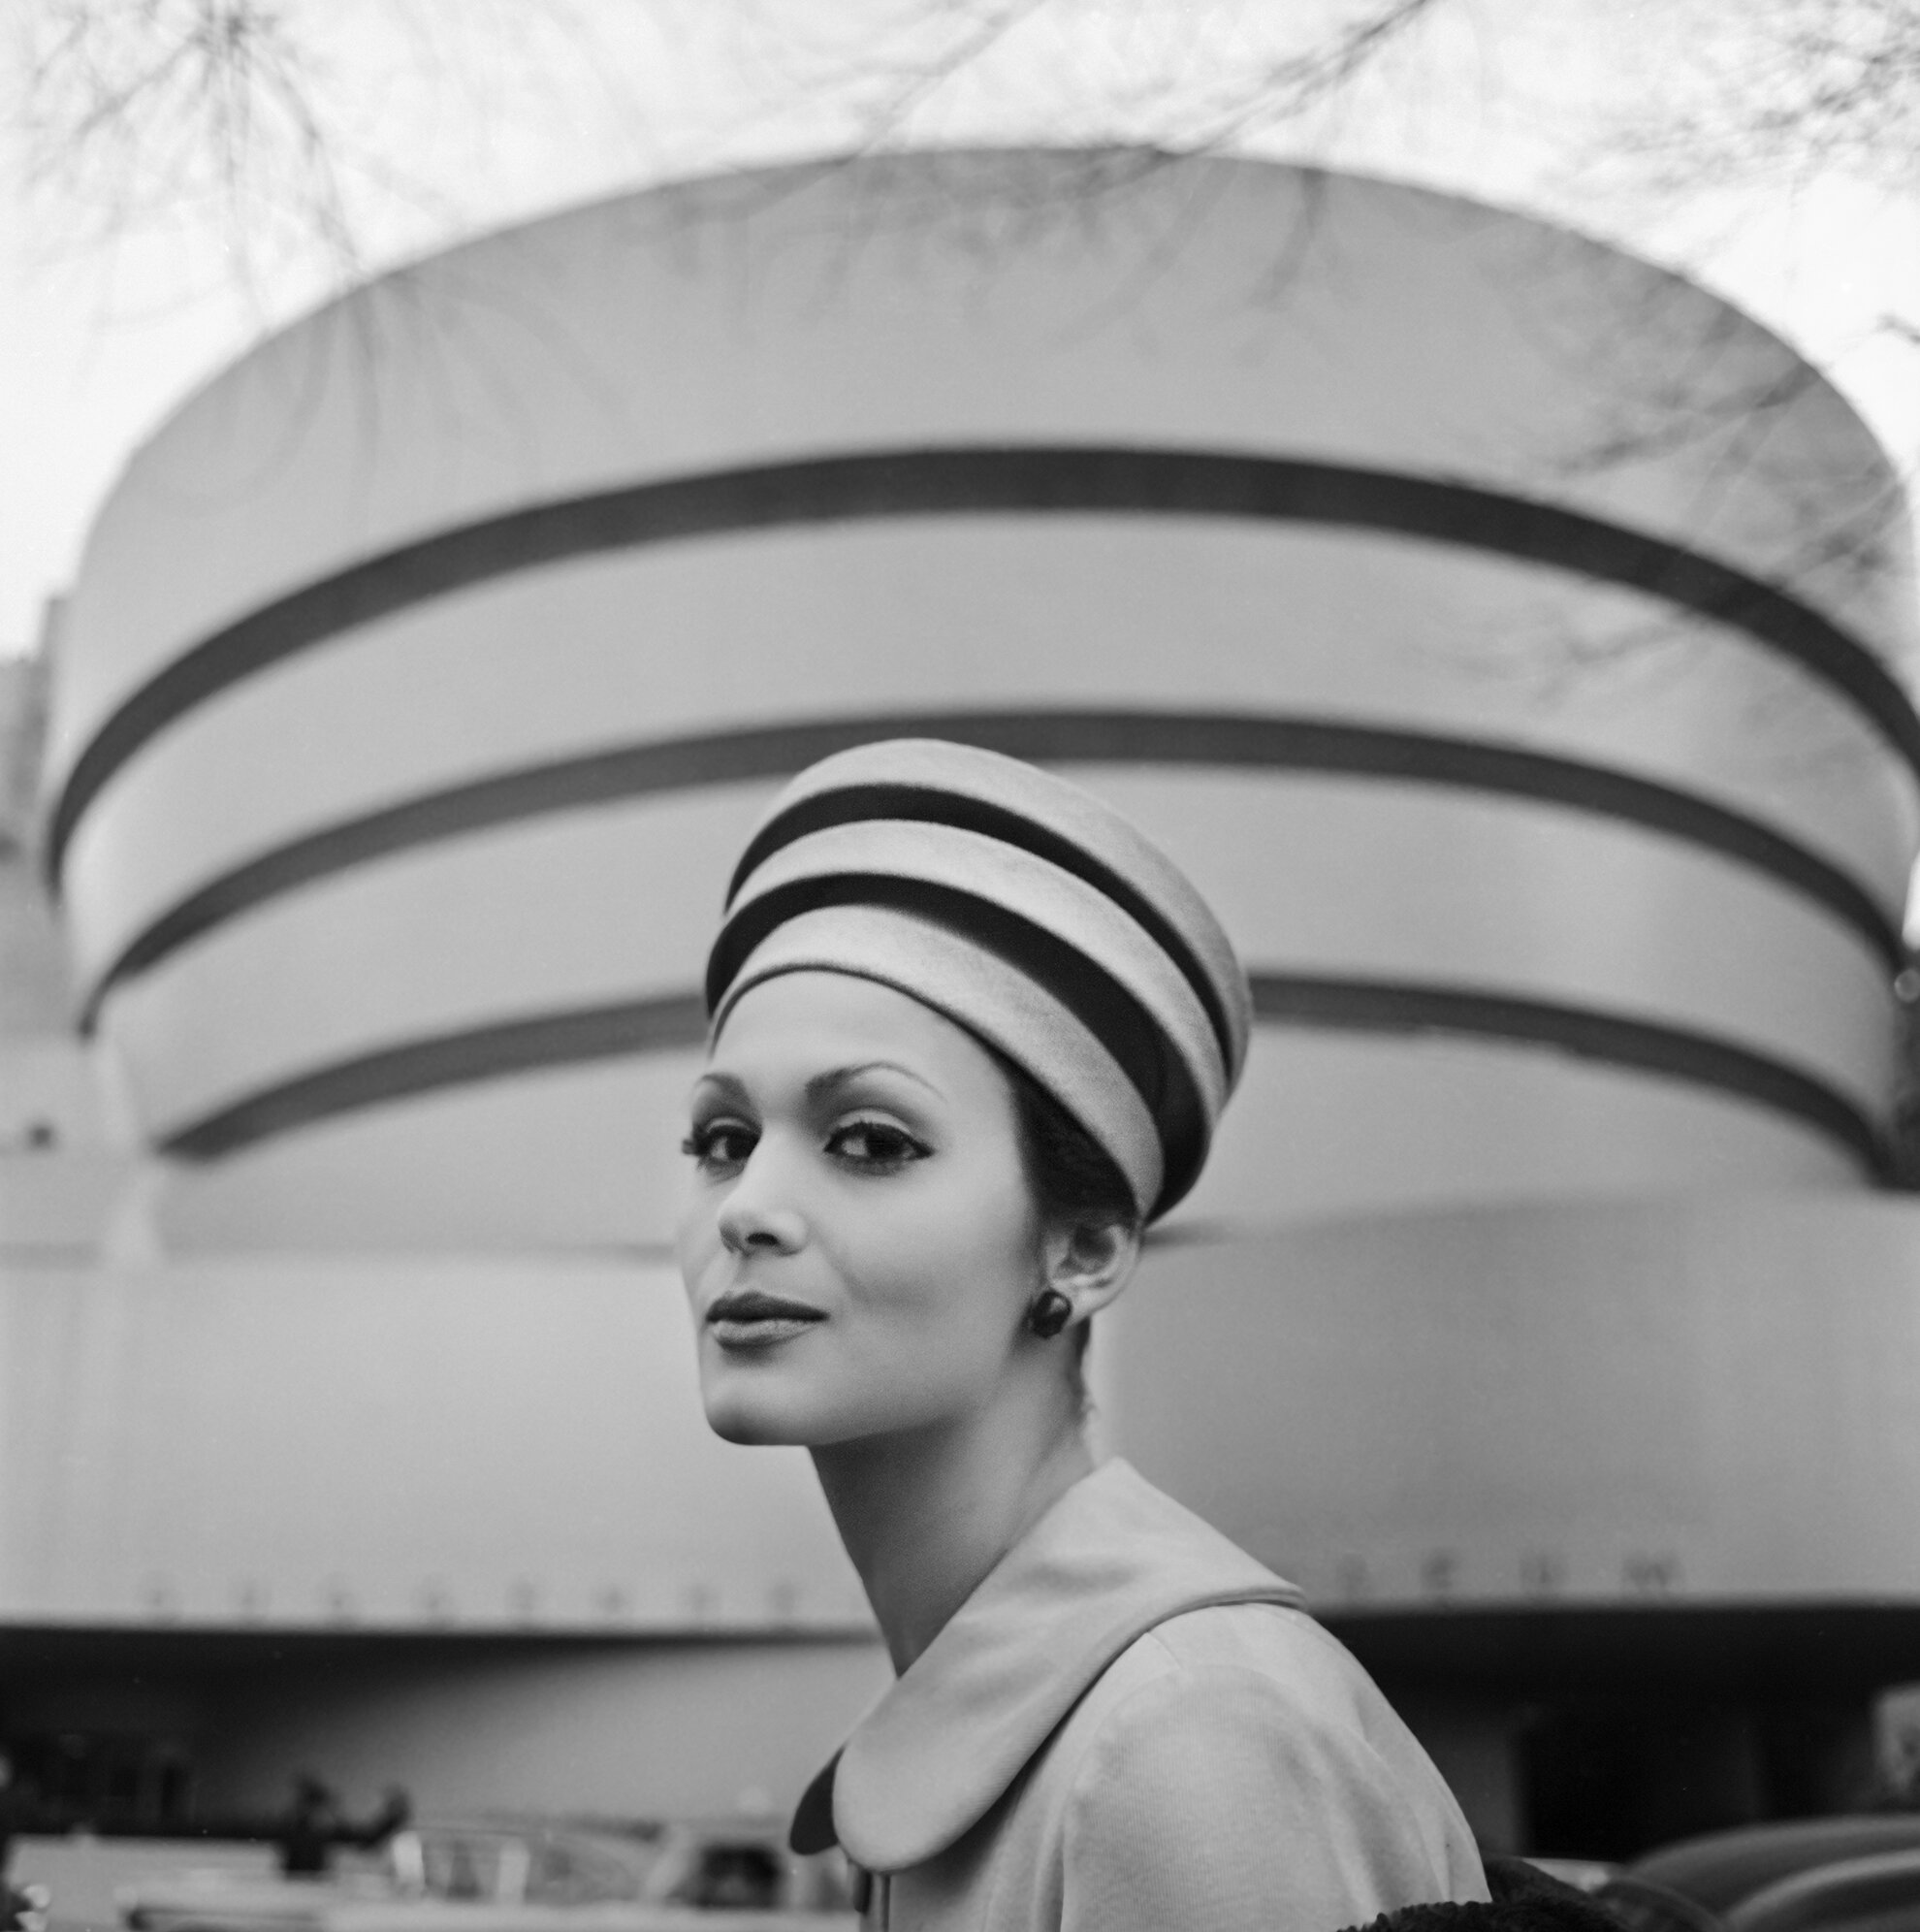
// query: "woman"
[[970, 1034]]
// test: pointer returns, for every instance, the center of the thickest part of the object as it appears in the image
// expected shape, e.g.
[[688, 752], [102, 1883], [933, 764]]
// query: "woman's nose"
[[760, 1211]]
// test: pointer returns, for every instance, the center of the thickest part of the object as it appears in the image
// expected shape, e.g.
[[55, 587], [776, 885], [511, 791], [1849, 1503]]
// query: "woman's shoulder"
[[1270, 1655], [1254, 1713], [1217, 1683]]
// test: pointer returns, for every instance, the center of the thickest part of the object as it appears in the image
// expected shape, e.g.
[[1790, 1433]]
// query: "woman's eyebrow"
[[824, 1086], [727, 1085]]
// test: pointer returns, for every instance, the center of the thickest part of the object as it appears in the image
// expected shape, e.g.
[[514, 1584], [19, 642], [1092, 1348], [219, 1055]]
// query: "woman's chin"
[[751, 1432], [748, 1417]]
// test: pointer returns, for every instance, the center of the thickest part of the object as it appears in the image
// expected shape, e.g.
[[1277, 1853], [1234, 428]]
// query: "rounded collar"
[[1113, 1558]]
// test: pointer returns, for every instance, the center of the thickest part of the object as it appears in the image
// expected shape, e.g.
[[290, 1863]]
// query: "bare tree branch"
[[1792, 89], [143, 114]]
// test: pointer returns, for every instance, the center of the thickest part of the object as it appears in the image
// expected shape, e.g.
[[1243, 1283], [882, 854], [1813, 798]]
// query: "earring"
[[1048, 1313]]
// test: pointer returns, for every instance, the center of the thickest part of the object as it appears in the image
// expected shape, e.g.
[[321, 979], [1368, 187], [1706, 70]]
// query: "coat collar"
[[1110, 1559]]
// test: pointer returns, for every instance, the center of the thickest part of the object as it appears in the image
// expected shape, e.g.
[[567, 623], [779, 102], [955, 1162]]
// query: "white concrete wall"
[[469, 1445], [1703, 1400], [1214, 304], [668, 335], [294, 1409]]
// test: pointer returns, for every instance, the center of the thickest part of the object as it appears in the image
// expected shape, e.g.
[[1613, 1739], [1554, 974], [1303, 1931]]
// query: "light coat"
[[1131, 1725]]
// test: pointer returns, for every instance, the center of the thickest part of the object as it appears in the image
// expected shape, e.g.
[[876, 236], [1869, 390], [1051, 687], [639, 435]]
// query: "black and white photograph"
[[959, 966]]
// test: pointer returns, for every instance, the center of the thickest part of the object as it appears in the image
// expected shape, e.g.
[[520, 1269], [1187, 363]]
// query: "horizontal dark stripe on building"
[[1225, 740], [677, 1022], [953, 481], [1382, 1006]]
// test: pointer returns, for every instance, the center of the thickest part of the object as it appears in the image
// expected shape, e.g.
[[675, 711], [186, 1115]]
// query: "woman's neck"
[[926, 1514]]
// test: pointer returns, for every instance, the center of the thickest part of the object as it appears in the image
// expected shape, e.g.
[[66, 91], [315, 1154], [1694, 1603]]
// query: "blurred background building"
[[1508, 636]]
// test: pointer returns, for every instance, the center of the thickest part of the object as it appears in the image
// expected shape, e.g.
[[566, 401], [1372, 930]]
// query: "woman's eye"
[[873, 1143], [720, 1145]]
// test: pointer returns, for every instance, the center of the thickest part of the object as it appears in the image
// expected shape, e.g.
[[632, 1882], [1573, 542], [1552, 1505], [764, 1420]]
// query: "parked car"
[[1857, 1873], [526, 1875]]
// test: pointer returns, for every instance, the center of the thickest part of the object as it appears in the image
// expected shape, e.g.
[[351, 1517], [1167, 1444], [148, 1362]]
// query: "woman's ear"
[[1090, 1261]]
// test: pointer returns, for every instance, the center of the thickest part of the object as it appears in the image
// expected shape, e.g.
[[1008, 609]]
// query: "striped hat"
[[1022, 908]]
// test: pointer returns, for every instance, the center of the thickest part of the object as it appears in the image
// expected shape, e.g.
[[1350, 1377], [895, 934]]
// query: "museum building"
[[1510, 638]]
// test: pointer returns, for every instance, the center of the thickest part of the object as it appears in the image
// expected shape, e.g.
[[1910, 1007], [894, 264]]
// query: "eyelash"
[[702, 1144], [884, 1132]]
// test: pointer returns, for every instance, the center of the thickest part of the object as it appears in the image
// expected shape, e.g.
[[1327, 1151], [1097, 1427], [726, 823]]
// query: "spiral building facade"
[[1507, 636]]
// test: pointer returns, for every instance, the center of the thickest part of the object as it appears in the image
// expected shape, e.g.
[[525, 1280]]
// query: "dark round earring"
[[1048, 1313]]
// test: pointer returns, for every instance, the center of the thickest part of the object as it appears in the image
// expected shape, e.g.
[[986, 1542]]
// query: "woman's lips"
[[753, 1320]]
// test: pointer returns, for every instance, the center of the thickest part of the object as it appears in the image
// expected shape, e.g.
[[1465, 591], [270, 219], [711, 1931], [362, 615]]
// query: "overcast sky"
[[458, 116]]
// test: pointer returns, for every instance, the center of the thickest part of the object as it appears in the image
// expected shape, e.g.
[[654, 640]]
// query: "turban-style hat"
[[1022, 908]]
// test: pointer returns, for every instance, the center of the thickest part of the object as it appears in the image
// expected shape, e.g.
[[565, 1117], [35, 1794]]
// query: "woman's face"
[[858, 1240]]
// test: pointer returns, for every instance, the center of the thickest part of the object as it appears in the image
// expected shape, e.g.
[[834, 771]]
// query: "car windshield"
[[514, 1867]]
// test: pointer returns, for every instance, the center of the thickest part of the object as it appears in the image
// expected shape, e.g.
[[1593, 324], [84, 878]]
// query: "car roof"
[[1882, 1889], [1726, 1867]]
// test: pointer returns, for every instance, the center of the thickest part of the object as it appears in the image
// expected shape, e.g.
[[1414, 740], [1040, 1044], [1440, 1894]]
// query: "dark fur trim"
[[1524, 1899]]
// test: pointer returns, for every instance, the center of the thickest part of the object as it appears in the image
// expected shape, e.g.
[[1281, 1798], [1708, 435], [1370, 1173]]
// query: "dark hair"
[[1072, 1176]]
